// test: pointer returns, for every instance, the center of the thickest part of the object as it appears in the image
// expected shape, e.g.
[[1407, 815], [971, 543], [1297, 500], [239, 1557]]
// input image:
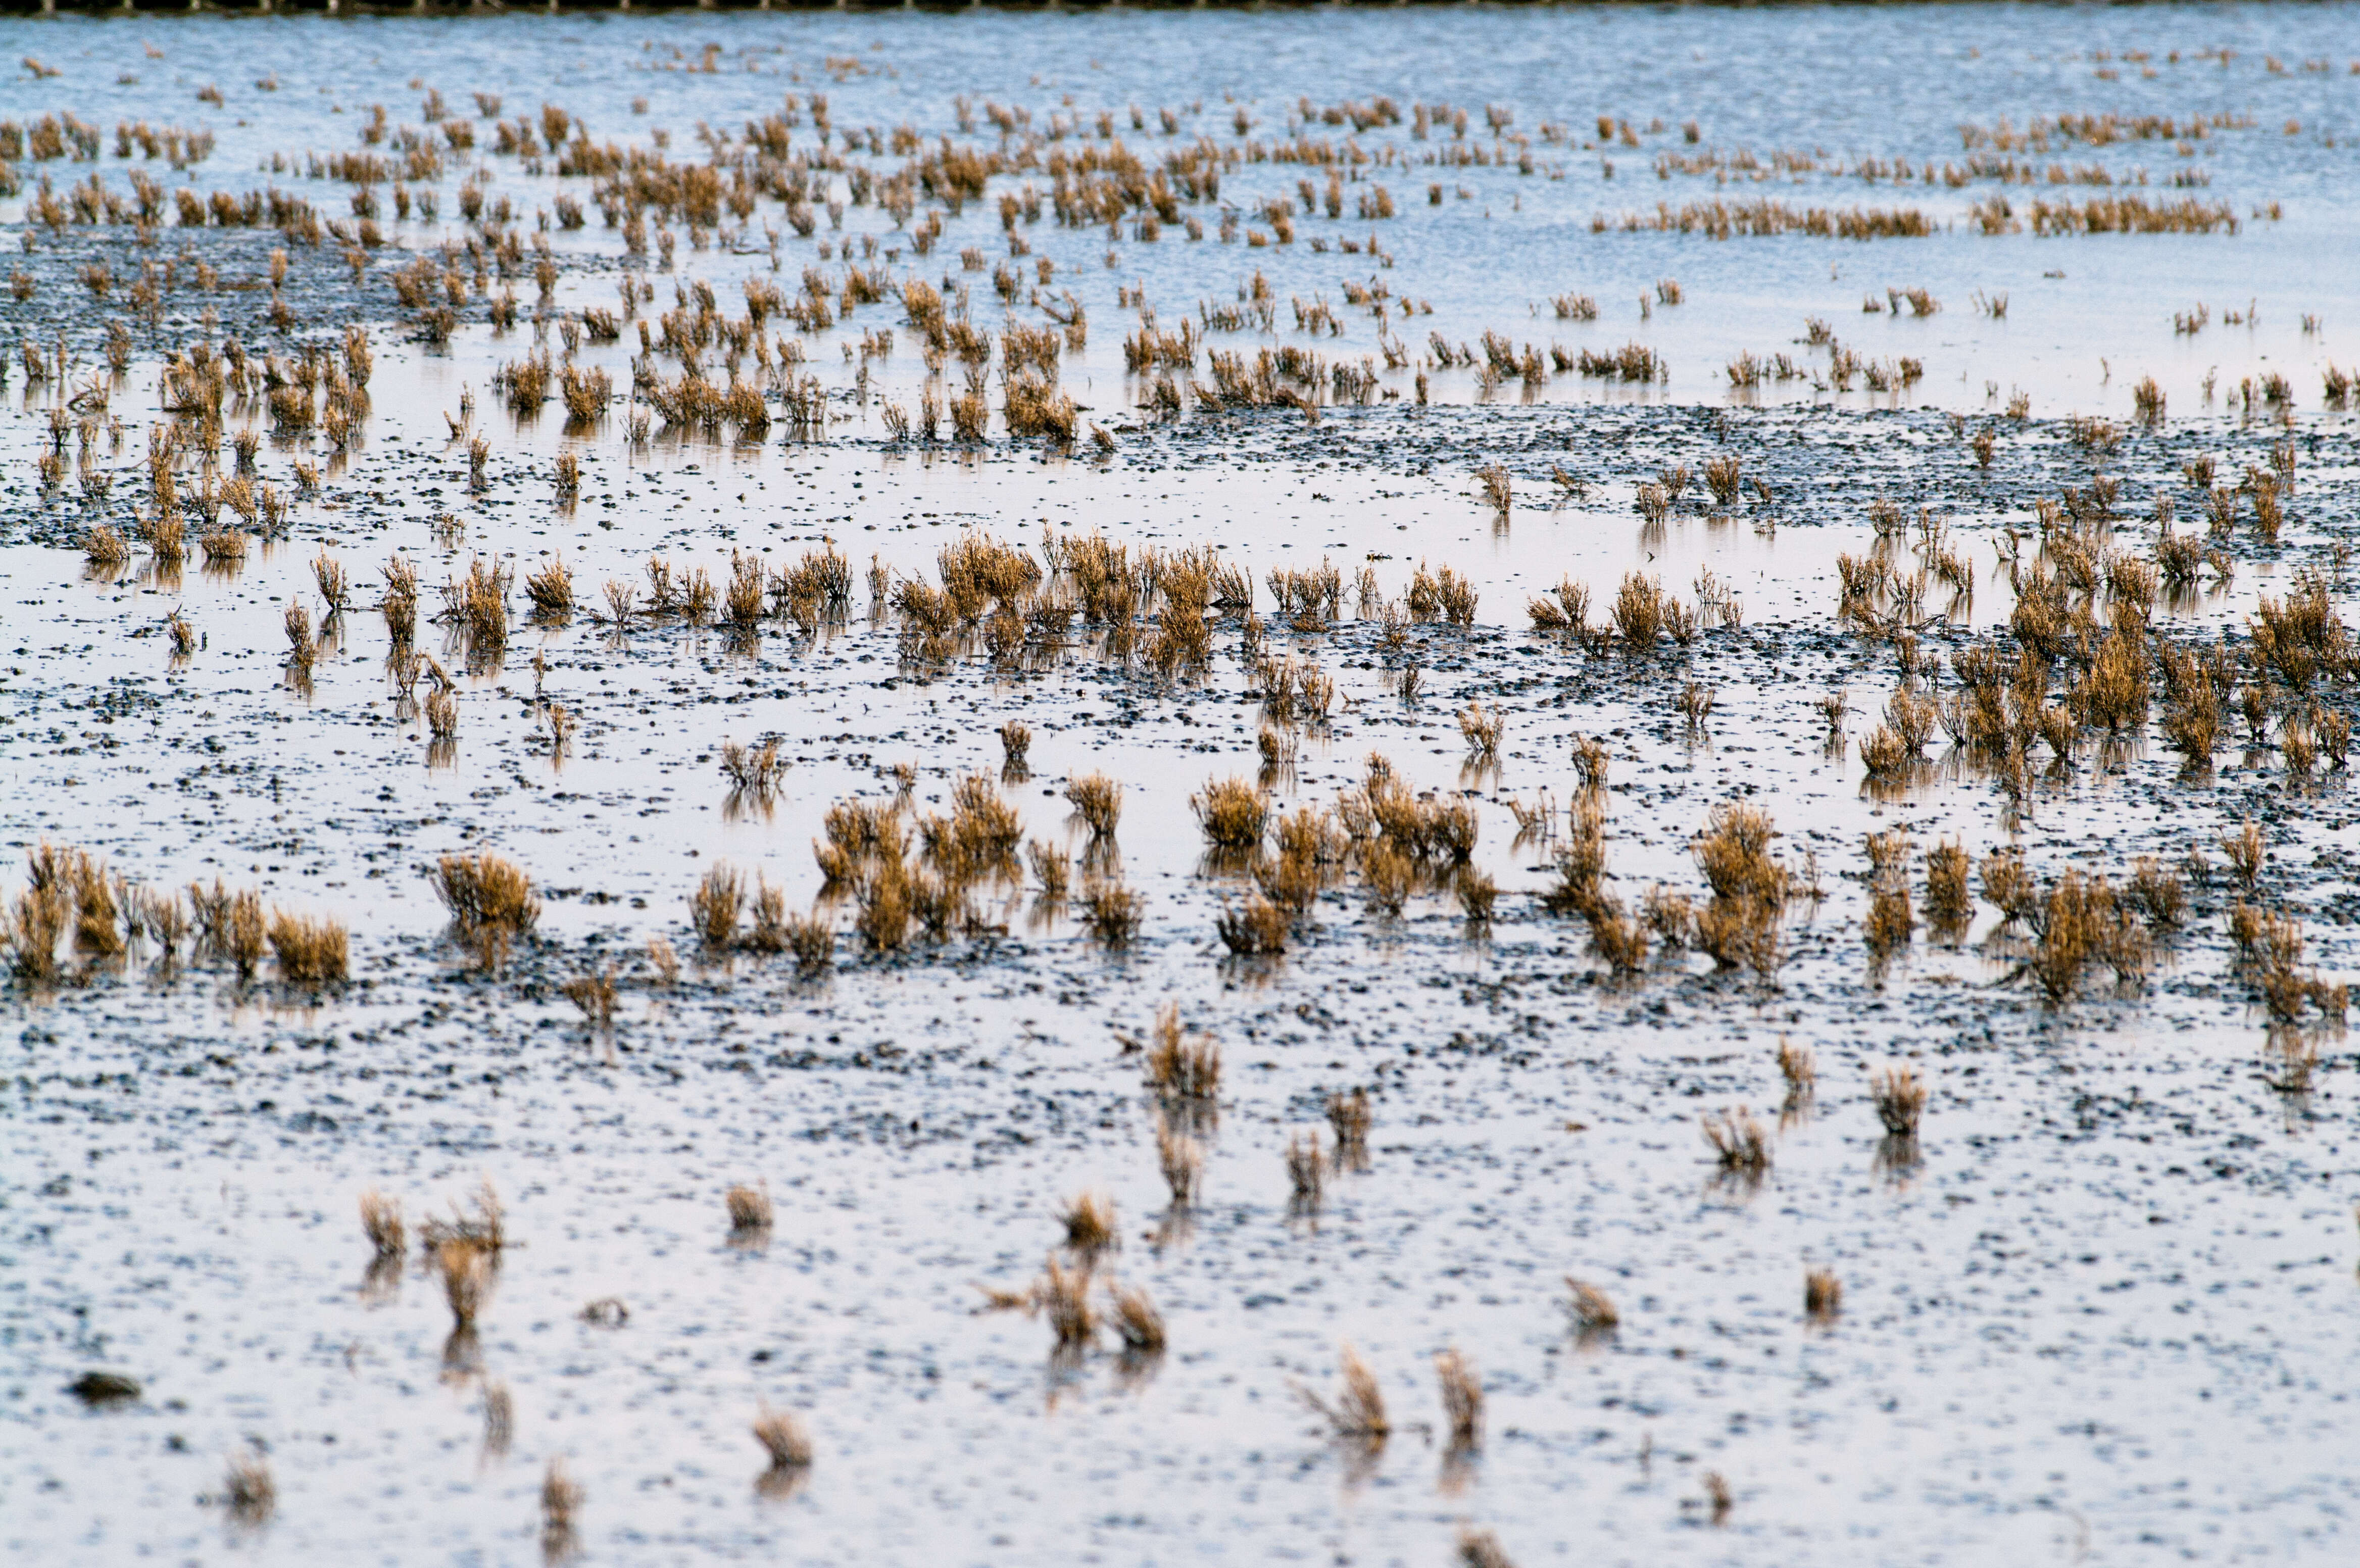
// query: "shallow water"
[[2100, 1310]]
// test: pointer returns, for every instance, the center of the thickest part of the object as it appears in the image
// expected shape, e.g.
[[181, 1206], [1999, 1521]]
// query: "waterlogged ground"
[[2100, 1310]]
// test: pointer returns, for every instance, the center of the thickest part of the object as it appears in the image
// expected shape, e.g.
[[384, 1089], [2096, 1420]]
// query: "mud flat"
[[1023, 788]]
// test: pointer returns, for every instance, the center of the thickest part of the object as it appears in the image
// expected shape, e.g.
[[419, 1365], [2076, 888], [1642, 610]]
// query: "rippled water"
[[2099, 1311]]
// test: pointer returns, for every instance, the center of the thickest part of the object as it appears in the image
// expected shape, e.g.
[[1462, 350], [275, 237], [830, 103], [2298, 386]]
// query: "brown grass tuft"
[[784, 1439], [1738, 1141], [1823, 1296], [1462, 1399], [1802, 1076], [1593, 1310], [1481, 1549], [466, 1270], [1348, 1119], [1900, 1098], [595, 994], [381, 1222], [560, 1499], [1137, 1321], [1182, 1066], [1089, 1225], [1098, 801], [1255, 928], [248, 1491], [1233, 814], [749, 1210], [714, 906], [485, 889], [1305, 1171], [1361, 1411], [1112, 912], [310, 951], [1064, 1295]]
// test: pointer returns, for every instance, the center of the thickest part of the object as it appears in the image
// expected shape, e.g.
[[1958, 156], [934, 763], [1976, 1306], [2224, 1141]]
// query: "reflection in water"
[[382, 1281], [1897, 1158], [499, 1421]]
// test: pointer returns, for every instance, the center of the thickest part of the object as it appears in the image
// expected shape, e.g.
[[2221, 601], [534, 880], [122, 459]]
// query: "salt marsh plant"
[[1721, 475], [230, 925], [784, 1439], [1890, 922], [753, 772], [336, 590], [551, 590], [311, 951], [1358, 1412], [560, 1499], [1256, 928], [1349, 1118], [381, 1222], [1498, 489], [1305, 1171], [1112, 913], [1096, 799], [1593, 1310], [1052, 869], [749, 1211], [594, 993], [1462, 1400], [1947, 902], [485, 1229], [464, 1269], [300, 647], [1182, 1064], [1136, 1321], [1089, 1224], [491, 899], [1823, 1296], [1481, 1549], [1064, 1295], [714, 906], [1232, 813], [1899, 1095], [106, 547], [1482, 726], [248, 1492], [1738, 1144], [1797, 1066], [1477, 894], [1696, 705]]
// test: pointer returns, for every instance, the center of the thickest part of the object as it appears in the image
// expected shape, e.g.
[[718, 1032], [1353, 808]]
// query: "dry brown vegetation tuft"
[[1359, 1412], [1462, 1399], [311, 950], [381, 1222], [1593, 1310], [784, 1439], [749, 1210], [1136, 1319], [1232, 813], [1900, 1098], [1089, 1225], [1182, 1066], [491, 901], [1739, 1143], [1823, 1296]]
